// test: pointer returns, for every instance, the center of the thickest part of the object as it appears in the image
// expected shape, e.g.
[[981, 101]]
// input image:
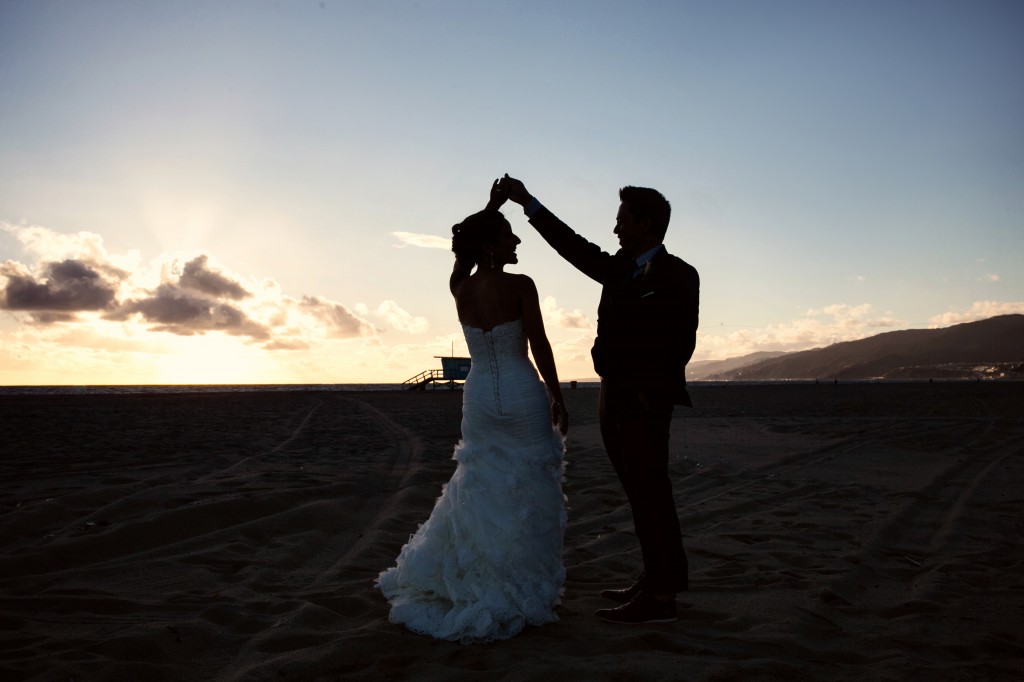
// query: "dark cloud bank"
[[195, 304], [200, 300], [67, 287]]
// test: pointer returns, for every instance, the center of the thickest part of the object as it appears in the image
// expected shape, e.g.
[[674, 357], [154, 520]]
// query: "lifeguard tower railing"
[[452, 370]]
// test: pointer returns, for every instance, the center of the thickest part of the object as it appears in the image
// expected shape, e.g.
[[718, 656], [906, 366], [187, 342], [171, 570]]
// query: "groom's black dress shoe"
[[643, 609], [626, 595]]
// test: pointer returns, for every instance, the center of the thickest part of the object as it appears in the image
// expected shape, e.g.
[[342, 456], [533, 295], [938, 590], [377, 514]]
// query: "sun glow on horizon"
[[215, 359]]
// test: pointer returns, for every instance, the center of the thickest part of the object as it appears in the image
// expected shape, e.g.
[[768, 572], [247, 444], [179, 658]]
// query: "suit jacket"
[[646, 323]]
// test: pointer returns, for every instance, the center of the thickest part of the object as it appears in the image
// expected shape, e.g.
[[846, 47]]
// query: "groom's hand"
[[514, 190]]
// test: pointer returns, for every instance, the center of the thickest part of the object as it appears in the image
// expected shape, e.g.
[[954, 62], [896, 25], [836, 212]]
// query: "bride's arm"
[[540, 347], [459, 274]]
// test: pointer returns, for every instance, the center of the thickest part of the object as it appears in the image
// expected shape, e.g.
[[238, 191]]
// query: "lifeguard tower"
[[452, 370]]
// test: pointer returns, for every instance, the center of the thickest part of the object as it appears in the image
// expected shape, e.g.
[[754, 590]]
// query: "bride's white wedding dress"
[[488, 561]]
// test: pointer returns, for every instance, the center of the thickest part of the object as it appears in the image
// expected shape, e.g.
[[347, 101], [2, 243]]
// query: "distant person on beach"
[[488, 561], [646, 333]]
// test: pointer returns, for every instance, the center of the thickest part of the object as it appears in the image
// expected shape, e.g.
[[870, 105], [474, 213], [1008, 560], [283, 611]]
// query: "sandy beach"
[[850, 532]]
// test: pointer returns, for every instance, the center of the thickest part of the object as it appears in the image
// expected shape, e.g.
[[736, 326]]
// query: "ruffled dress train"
[[488, 560]]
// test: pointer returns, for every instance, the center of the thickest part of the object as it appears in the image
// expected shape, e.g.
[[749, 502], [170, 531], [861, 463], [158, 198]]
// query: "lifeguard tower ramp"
[[453, 371]]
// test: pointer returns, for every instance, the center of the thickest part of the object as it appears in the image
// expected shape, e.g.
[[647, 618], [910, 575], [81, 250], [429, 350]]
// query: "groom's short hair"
[[648, 203]]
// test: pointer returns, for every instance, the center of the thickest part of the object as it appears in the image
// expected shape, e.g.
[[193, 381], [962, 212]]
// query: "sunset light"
[[181, 202], [283, 397]]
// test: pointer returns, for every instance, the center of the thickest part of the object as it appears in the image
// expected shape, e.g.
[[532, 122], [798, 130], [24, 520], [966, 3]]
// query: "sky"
[[263, 192]]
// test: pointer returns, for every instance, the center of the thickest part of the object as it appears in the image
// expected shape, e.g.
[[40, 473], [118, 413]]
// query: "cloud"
[[401, 319], [340, 321], [196, 300], [63, 287], [199, 277], [831, 324], [423, 241], [842, 316], [173, 309], [561, 318], [979, 310], [990, 277], [287, 345], [75, 274], [819, 327], [51, 246]]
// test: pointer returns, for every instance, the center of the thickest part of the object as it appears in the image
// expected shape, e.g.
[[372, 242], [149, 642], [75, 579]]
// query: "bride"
[[488, 561]]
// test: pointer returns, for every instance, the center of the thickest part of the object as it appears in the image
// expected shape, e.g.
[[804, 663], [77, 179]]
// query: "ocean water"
[[195, 388], [440, 386], [227, 388]]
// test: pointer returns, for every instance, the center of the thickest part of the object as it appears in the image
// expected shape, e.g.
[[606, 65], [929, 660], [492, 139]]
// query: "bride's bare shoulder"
[[519, 280], [522, 283]]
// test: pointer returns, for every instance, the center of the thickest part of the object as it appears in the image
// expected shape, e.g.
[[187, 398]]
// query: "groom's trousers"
[[636, 433]]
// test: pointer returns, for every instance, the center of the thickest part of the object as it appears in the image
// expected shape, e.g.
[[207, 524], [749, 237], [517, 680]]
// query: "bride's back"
[[486, 300]]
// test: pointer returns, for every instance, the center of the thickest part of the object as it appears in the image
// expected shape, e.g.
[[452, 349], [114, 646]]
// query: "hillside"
[[703, 369], [960, 351]]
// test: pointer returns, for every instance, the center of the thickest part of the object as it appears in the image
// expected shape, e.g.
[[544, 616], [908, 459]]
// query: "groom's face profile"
[[633, 234]]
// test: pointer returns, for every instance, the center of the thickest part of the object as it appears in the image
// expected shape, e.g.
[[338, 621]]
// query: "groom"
[[646, 333]]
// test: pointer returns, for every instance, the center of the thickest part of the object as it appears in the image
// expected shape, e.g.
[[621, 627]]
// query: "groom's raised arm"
[[584, 255]]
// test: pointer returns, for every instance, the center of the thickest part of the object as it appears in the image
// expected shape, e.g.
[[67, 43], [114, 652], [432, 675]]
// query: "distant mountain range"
[[992, 348]]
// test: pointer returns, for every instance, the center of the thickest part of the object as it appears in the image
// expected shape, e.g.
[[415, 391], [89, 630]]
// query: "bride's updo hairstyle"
[[470, 236]]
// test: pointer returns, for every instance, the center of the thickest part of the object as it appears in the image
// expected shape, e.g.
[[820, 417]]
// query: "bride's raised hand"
[[498, 196]]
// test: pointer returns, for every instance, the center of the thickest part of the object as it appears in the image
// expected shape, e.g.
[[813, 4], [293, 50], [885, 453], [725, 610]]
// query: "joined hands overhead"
[[514, 190]]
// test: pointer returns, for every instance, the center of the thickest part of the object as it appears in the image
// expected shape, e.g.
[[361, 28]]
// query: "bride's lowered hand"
[[560, 416]]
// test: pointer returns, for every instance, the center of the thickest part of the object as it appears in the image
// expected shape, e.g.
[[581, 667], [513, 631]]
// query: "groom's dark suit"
[[646, 333]]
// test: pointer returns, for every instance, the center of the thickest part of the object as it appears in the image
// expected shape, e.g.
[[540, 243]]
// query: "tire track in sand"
[[327, 602], [406, 449], [895, 569], [139, 499]]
